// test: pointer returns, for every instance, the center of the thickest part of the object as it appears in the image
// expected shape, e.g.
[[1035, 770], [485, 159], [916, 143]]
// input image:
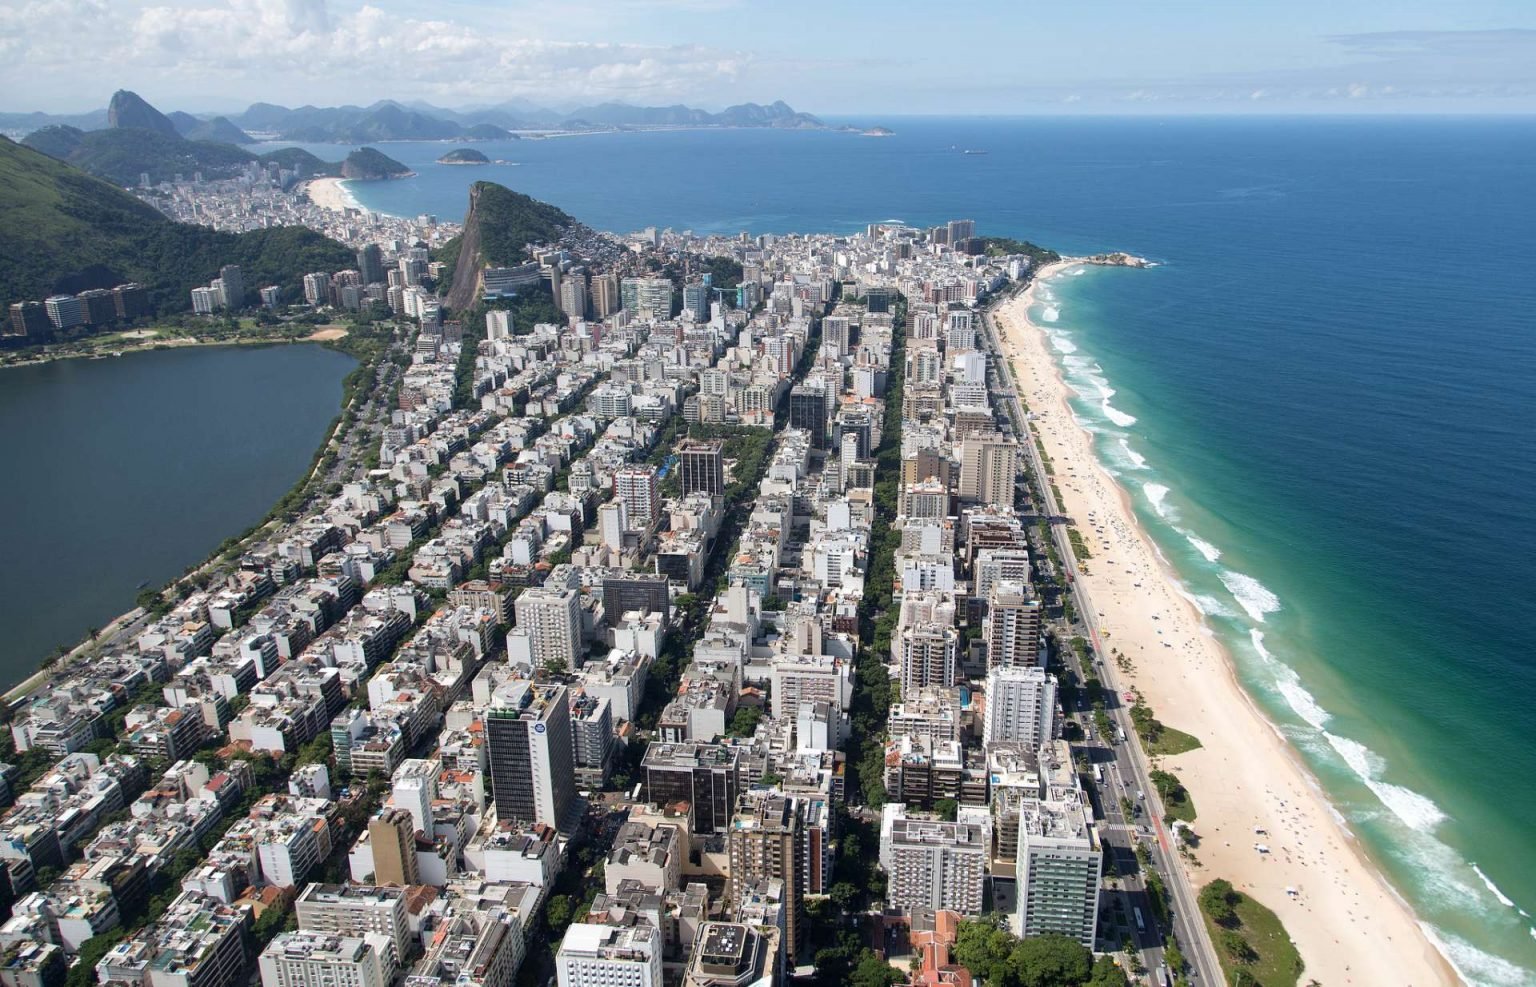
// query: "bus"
[[1141, 923]]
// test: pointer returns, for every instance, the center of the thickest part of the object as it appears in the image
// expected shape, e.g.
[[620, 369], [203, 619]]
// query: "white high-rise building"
[[356, 909], [933, 864], [317, 288], [205, 301], [1013, 626], [928, 655], [305, 959], [551, 620], [607, 956], [647, 299], [612, 522], [994, 565], [1021, 706], [414, 786], [1059, 862], [637, 488], [498, 324], [925, 647], [800, 679]]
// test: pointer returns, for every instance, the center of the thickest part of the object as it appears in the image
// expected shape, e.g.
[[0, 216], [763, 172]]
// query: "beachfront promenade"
[[1245, 779], [1188, 927]]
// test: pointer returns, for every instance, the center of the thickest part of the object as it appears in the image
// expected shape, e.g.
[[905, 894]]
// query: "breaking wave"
[[1253, 596]]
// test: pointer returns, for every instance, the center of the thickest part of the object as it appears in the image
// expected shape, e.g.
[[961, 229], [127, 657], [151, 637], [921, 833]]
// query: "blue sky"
[[828, 57]]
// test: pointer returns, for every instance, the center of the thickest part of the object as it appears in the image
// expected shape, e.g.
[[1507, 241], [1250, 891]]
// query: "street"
[[1126, 770]]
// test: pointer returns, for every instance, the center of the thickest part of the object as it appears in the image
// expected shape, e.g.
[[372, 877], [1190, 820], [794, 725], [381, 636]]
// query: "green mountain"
[[129, 111], [59, 141], [298, 160], [122, 155], [489, 132], [464, 155], [383, 121], [218, 129], [66, 231], [498, 228], [367, 163]]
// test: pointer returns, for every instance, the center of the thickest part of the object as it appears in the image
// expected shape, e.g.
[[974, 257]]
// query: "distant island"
[[464, 156]]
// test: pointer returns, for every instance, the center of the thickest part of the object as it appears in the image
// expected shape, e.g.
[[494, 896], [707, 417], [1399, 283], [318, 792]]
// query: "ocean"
[[1322, 402], [126, 471]]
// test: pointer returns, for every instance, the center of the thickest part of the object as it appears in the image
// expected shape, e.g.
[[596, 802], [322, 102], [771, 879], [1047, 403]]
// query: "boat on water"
[[972, 150]]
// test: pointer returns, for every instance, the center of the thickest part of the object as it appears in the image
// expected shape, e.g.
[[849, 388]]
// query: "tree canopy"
[[1002, 959]]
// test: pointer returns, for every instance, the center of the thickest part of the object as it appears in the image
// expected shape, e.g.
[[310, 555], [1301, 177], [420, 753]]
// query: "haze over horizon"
[[856, 58]]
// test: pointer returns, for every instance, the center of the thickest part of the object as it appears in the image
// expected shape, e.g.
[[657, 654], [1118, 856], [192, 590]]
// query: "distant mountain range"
[[140, 140], [388, 120], [132, 139], [66, 231]]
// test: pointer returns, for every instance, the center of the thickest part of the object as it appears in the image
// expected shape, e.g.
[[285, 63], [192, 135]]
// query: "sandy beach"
[[330, 193], [1349, 926]]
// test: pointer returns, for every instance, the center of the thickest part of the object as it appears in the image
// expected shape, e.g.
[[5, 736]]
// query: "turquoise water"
[[1322, 404], [126, 471]]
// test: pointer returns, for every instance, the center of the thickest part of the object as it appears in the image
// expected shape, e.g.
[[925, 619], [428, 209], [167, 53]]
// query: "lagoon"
[[123, 472]]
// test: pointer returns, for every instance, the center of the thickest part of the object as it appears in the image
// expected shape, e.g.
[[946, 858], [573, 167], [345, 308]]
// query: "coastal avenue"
[[1127, 757]]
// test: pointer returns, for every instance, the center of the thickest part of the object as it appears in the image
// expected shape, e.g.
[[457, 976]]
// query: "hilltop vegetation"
[[1001, 246], [66, 231], [296, 159], [498, 228], [509, 221], [367, 163], [122, 155], [463, 155]]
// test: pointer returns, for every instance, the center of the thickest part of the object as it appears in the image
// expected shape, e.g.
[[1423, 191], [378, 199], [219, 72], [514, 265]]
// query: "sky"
[[845, 58]]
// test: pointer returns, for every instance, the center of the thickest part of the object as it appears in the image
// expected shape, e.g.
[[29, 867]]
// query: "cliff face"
[[498, 228], [130, 110], [466, 273]]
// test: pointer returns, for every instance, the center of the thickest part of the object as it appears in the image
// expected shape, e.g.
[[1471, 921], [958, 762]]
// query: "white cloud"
[[309, 50]]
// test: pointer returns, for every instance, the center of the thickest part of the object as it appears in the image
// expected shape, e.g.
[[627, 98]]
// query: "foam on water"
[[1062, 343], [1137, 460], [1288, 684], [1205, 548], [1253, 596], [1209, 605], [1504, 899], [1156, 493], [1116, 415], [1051, 313], [1093, 375], [1473, 965], [1416, 811], [1077, 272]]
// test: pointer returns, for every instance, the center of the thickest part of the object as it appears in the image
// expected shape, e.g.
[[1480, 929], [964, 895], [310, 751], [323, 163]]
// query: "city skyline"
[[1198, 58]]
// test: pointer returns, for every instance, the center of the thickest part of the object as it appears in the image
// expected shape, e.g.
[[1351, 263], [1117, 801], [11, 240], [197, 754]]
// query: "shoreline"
[[1348, 923], [48, 667], [331, 194], [177, 343]]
